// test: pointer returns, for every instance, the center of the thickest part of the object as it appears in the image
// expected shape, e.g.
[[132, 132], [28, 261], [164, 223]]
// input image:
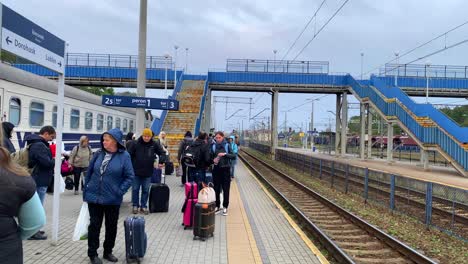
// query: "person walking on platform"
[[42, 164], [79, 159], [184, 144], [7, 135], [144, 153], [162, 142], [235, 150], [109, 176], [129, 141], [222, 155], [200, 149]]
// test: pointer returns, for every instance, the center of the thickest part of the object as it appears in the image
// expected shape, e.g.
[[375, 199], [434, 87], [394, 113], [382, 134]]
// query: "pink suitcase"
[[189, 212], [188, 187]]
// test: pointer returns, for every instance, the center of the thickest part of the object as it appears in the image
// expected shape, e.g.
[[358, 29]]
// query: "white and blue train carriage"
[[30, 102]]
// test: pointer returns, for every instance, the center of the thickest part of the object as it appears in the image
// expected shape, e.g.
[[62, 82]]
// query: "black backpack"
[[69, 184], [191, 155]]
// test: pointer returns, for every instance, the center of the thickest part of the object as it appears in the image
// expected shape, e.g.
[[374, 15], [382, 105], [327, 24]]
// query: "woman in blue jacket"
[[110, 174]]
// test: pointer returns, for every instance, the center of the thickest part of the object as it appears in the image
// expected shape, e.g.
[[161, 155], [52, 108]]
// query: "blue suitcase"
[[135, 238]]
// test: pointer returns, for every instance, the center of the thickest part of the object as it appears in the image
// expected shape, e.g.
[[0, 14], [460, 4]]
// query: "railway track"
[[348, 238]]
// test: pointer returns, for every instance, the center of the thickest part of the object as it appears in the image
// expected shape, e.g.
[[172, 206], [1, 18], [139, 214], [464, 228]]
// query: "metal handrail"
[[117, 60]]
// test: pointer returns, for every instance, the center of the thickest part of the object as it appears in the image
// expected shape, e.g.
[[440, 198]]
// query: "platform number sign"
[[140, 102]]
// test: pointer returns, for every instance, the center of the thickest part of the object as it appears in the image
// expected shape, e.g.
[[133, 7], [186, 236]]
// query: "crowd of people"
[[105, 177]]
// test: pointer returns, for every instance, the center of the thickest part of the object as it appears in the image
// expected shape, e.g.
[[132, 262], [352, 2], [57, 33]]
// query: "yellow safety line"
[[293, 224]]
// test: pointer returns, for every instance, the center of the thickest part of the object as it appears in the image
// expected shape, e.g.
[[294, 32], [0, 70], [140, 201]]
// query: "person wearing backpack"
[[143, 153], [235, 150], [42, 164], [109, 176], [79, 160], [184, 144], [222, 156], [7, 135], [197, 158]]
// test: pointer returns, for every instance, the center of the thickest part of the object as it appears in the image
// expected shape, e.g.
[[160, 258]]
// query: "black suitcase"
[[169, 168], [159, 197], [135, 238], [204, 220]]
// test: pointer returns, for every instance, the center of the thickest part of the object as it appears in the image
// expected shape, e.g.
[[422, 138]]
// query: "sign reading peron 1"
[[26, 39]]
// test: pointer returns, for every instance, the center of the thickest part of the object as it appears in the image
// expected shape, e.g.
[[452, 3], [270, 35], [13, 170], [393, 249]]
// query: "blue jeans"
[[144, 183], [41, 192], [197, 175], [233, 166]]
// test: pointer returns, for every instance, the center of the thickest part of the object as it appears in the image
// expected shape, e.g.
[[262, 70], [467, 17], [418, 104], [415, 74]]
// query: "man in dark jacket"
[[7, 135], [42, 164], [187, 141], [222, 155], [143, 154], [201, 160]]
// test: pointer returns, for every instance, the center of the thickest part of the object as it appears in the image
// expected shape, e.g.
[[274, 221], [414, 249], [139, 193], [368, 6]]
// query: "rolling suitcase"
[[191, 193], [159, 197], [135, 238], [168, 168], [204, 220]]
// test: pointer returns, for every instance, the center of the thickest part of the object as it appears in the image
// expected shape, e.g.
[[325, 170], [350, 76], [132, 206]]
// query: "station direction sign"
[[26, 39], [140, 102]]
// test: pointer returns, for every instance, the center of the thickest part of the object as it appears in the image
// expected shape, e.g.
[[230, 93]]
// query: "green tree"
[[458, 114], [126, 93], [98, 90]]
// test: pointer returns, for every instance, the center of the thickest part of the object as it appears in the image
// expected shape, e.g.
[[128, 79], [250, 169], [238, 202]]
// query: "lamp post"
[[186, 59], [166, 57], [311, 128], [362, 64], [274, 60], [428, 64], [397, 55], [175, 66]]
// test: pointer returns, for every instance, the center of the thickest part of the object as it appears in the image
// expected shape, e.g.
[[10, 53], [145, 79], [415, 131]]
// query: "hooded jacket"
[[40, 159], [143, 155], [204, 158], [108, 187], [7, 132], [224, 162], [184, 143]]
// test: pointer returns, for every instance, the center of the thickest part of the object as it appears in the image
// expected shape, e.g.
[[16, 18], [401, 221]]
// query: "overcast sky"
[[217, 30]]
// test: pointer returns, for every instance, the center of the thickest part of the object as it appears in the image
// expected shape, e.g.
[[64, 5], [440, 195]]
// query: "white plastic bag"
[[81, 227], [62, 185], [207, 195]]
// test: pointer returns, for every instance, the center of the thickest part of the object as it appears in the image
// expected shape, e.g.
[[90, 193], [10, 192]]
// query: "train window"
[[88, 121], [125, 125], [110, 120], [131, 126], [75, 119], [54, 116], [15, 111], [36, 114], [100, 122], [117, 122]]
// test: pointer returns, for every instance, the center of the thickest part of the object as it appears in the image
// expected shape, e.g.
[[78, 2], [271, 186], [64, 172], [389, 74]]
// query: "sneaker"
[[95, 260], [217, 210], [225, 213], [76, 192], [38, 236], [111, 258], [144, 211], [135, 210]]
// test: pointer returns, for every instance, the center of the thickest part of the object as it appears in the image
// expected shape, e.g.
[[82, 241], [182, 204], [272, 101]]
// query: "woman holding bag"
[[79, 160]]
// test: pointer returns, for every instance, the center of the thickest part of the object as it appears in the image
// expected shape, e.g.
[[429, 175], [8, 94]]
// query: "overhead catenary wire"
[[320, 30], [420, 46], [304, 29]]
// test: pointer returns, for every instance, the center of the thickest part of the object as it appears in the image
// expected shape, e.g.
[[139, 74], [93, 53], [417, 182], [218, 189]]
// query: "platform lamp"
[[397, 57], [186, 59], [274, 60], [166, 57], [428, 64], [175, 65]]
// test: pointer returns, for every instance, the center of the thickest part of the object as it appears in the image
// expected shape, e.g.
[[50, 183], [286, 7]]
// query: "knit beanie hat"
[[147, 132]]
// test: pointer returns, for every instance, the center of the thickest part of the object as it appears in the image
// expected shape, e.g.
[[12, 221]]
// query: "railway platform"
[[437, 174], [256, 230]]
